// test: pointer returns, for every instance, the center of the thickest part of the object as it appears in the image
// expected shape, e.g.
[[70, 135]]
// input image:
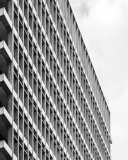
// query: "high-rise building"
[[51, 104]]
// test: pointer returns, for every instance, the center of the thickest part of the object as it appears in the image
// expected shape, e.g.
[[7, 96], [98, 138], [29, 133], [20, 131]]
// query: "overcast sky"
[[104, 26]]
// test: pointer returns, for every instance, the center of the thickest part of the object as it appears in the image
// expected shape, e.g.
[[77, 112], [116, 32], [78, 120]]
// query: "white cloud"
[[104, 27]]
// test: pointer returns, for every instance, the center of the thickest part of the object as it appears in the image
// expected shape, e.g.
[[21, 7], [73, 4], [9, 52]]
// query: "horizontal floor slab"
[[5, 52], [5, 151], [5, 19], [5, 118], [5, 84]]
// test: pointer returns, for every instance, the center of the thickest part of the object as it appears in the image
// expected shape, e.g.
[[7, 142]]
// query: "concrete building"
[[51, 104]]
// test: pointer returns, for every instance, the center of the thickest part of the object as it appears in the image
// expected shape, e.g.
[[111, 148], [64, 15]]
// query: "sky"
[[104, 27]]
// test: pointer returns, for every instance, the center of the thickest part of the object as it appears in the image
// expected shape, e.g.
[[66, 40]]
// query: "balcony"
[[5, 119], [5, 151], [5, 89], [5, 123], [5, 21], [5, 25], [5, 54], [5, 58]]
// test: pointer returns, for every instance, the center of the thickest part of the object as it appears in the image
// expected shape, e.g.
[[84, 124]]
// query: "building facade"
[[51, 104]]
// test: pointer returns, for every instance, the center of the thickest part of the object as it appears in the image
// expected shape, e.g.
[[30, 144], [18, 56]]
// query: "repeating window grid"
[[21, 125], [21, 98], [65, 23]]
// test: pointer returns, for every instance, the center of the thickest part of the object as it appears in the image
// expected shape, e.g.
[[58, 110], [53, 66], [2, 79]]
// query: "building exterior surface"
[[51, 104]]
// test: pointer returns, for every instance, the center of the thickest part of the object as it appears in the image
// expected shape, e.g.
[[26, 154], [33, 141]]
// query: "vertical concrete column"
[[9, 138], [9, 106], [10, 70], [10, 34], [10, 66], [10, 9], [10, 41]]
